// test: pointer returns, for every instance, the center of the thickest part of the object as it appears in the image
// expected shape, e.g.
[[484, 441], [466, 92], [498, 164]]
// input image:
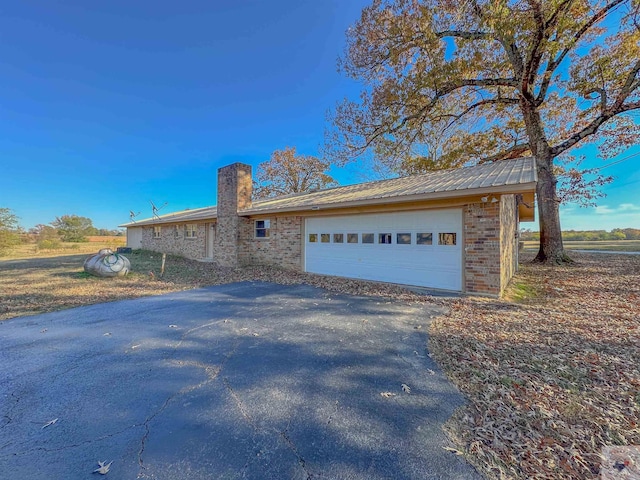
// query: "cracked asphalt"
[[244, 381]]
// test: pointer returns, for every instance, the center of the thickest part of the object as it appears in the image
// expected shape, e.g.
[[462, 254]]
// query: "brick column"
[[482, 248], [234, 193]]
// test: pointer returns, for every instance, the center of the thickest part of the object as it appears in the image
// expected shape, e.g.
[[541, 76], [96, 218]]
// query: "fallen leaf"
[[453, 450], [173, 326], [387, 394], [50, 422], [104, 468], [406, 388]]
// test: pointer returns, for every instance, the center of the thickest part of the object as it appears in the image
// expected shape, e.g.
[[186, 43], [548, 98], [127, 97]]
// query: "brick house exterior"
[[241, 231]]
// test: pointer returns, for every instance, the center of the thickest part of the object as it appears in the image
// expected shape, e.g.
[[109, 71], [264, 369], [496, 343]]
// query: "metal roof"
[[205, 213], [519, 174], [515, 175]]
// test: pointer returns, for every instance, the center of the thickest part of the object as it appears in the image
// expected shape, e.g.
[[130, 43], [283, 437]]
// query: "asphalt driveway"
[[248, 380]]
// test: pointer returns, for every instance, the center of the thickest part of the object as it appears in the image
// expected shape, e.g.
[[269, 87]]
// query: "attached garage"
[[454, 230], [420, 248]]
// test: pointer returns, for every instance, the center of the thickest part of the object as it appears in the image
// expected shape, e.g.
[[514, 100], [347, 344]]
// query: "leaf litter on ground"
[[550, 381]]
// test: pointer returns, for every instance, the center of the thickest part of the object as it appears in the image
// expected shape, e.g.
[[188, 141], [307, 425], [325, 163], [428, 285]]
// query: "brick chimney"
[[234, 193]]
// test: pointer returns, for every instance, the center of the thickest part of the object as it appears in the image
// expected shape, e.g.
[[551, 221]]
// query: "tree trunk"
[[551, 247]]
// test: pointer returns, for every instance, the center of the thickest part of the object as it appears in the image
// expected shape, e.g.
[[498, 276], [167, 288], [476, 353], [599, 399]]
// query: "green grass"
[[521, 292]]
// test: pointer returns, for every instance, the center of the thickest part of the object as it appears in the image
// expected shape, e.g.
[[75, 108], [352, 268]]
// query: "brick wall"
[[508, 239], [283, 247], [234, 193], [491, 246], [169, 242], [482, 248]]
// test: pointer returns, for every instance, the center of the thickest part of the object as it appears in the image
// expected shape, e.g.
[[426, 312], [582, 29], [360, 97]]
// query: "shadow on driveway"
[[248, 380]]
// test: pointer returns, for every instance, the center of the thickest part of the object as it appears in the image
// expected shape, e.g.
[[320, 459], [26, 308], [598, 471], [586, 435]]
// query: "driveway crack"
[[212, 373], [283, 434]]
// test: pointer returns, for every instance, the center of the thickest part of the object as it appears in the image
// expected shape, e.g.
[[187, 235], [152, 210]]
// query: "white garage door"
[[412, 248]]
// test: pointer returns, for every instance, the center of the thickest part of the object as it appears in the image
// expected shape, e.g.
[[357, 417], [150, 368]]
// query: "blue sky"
[[106, 106]]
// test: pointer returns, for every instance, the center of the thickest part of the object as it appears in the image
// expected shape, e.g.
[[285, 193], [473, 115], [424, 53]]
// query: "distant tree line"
[[67, 228], [588, 235]]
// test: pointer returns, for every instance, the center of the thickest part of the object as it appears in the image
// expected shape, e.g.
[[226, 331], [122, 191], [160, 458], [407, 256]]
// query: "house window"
[[338, 238], [446, 239], [367, 238], [325, 238], [424, 238], [176, 231], [262, 228], [313, 238], [191, 230], [352, 238], [157, 232], [403, 238], [384, 238]]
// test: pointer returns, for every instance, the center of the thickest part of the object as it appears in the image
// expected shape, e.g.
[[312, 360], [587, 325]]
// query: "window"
[[176, 231], [262, 228], [424, 238], [157, 232], [367, 238], [403, 238], [325, 238], [191, 230], [338, 238], [313, 238], [446, 239], [352, 238], [384, 238]]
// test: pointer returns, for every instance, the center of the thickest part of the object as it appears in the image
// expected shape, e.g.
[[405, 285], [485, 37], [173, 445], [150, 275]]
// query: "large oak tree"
[[287, 172], [511, 78]]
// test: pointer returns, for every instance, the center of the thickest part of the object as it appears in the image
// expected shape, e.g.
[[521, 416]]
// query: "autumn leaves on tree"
[[287, 172], [450, 83]]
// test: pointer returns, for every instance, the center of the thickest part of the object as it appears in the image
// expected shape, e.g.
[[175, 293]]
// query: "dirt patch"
[[550, 380]]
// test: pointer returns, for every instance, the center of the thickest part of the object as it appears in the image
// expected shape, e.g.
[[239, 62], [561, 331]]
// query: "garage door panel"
[[435, 266]]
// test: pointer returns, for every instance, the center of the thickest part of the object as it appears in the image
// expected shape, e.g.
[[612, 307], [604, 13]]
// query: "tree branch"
[[552, 65], [592, 127], [465, 35], [512, 152], [535, 55], [629, 85]]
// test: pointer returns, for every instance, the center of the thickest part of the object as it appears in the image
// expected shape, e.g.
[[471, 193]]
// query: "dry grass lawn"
[[551, 375], [29, 286]]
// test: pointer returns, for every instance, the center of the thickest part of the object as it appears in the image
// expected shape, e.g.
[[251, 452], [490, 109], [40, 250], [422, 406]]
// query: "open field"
[[604, 245], [92, 245], [551, 375]]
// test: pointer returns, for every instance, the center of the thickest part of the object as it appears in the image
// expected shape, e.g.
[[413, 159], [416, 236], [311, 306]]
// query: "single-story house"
[[453, 230]]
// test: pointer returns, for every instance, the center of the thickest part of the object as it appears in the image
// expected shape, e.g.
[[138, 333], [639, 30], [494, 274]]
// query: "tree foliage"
[[508, 78], [287, 172], [9, 229], [73, 228]]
